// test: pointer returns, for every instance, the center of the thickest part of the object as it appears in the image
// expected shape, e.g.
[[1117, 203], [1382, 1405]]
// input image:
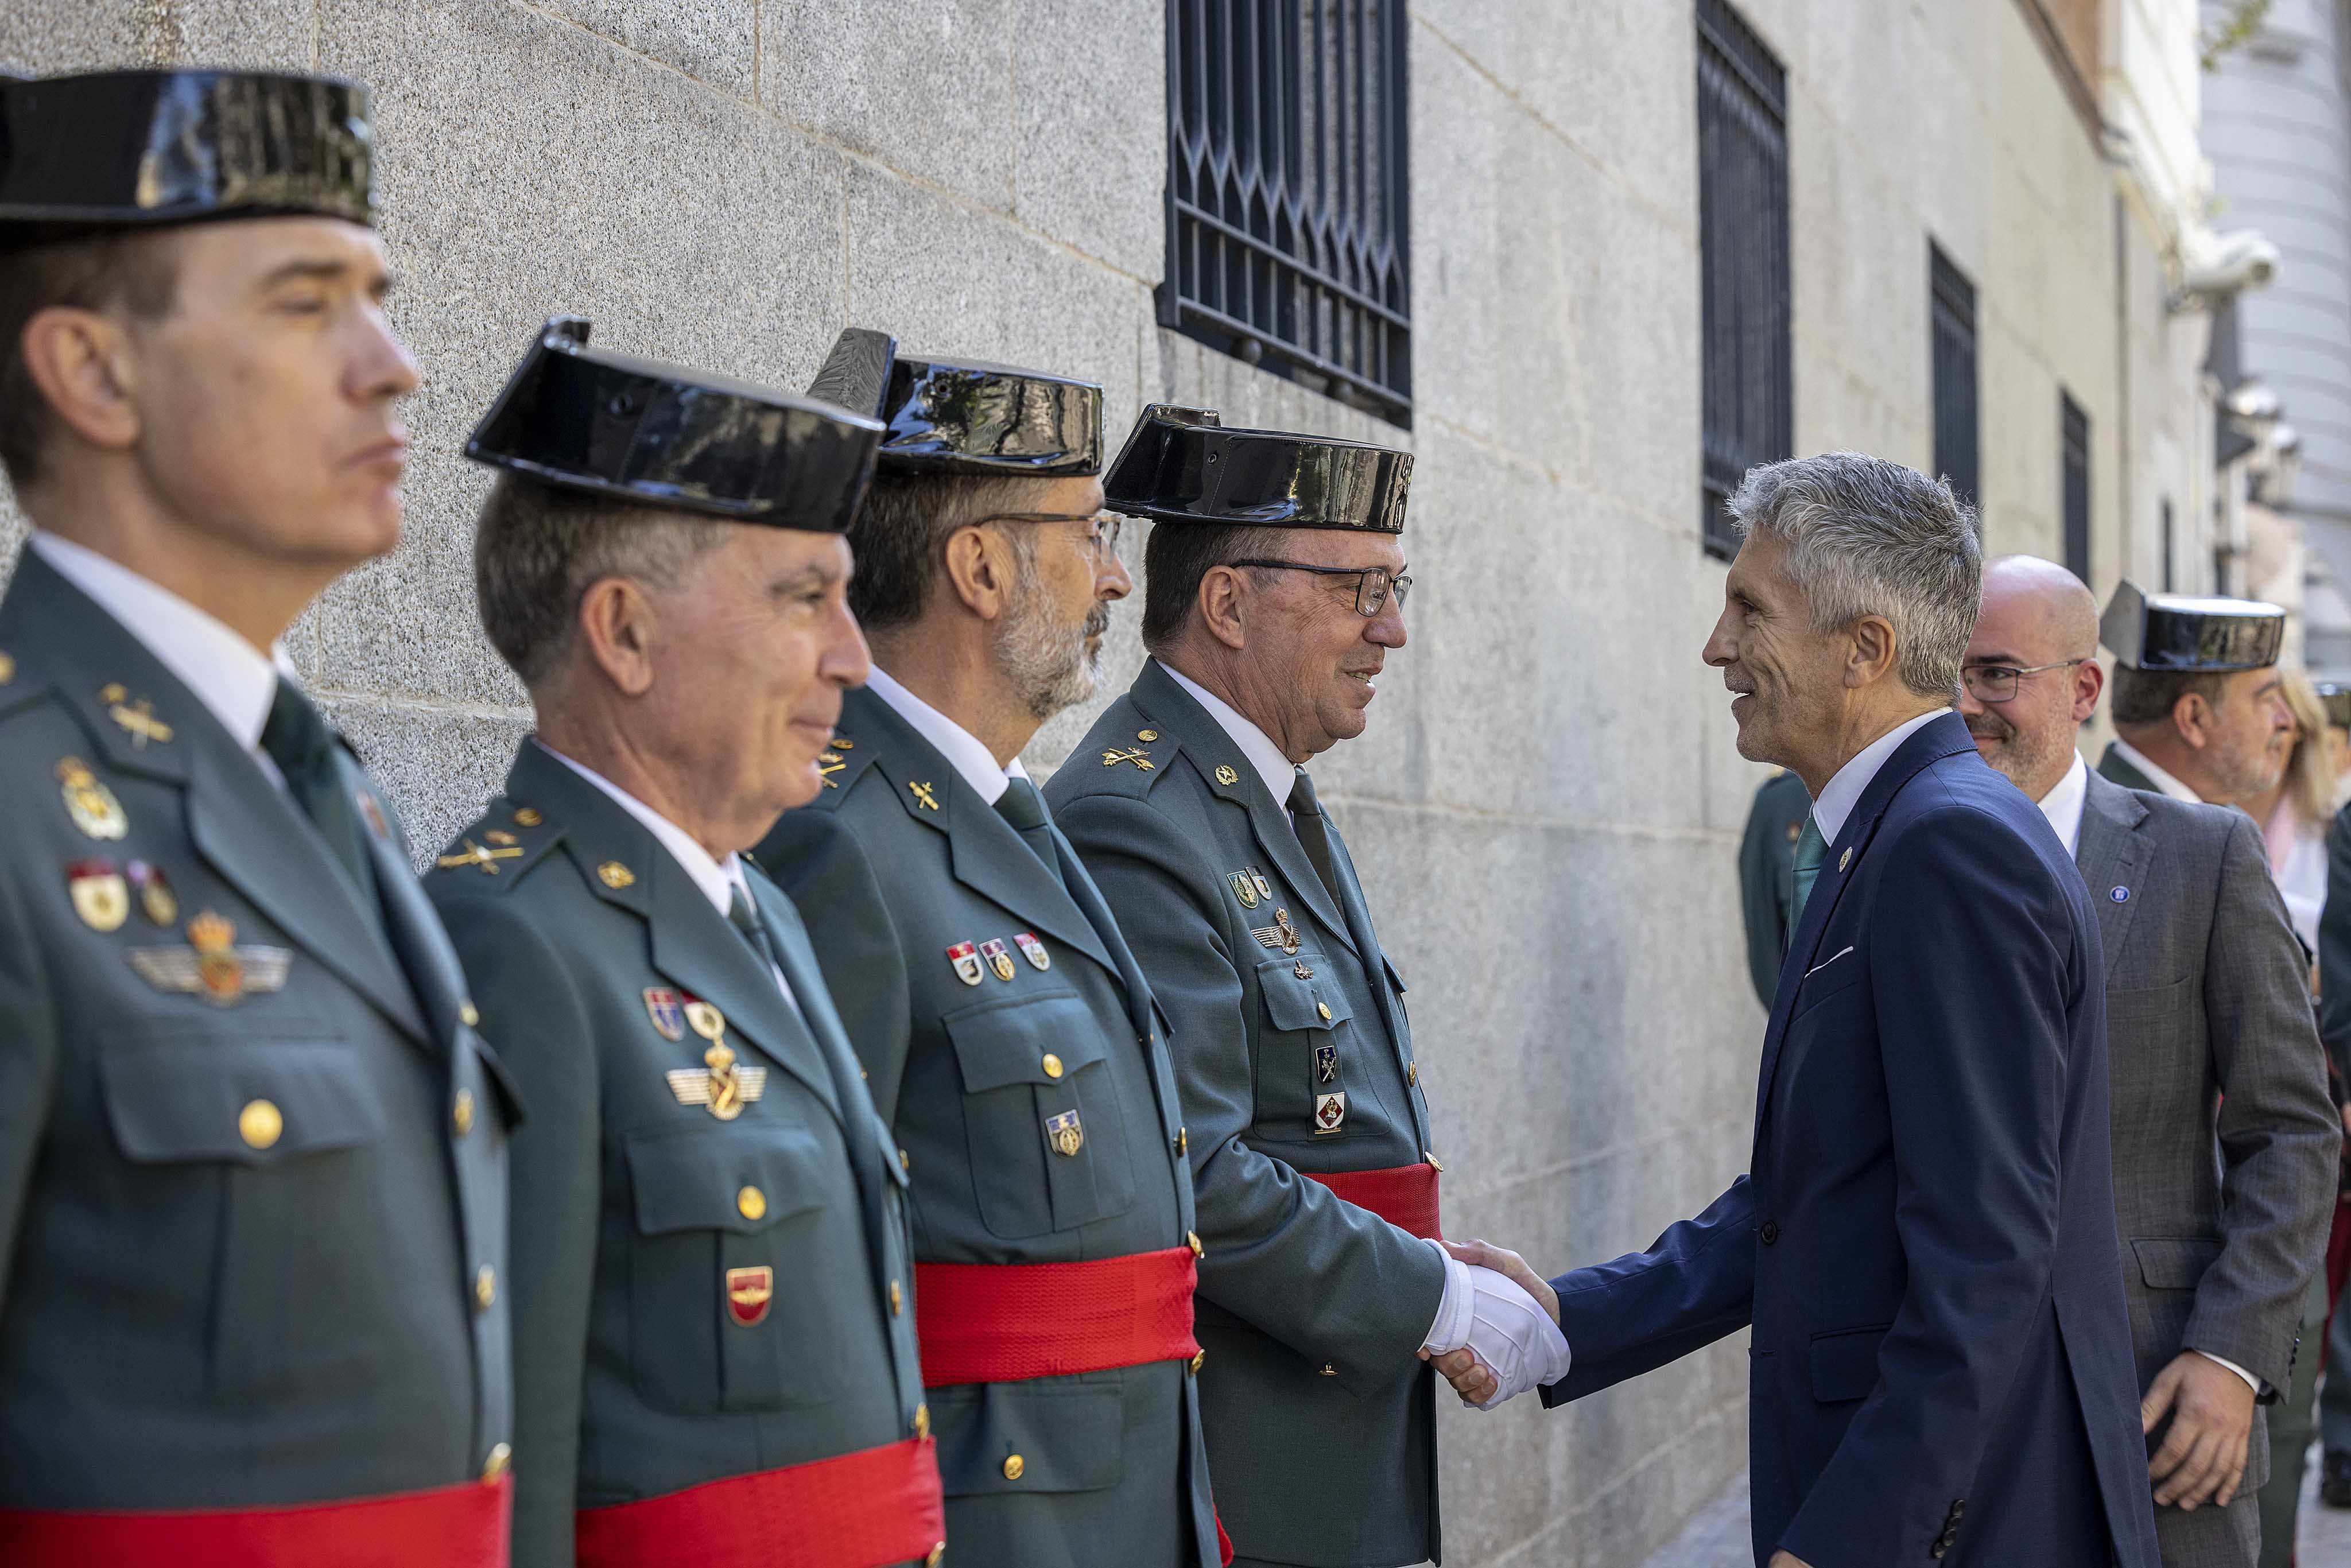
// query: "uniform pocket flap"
[[1029, 1438], [1293, 1003], [260, 1095], [704, 1180], [2174, 1262], [1845, 1363], [1007, 1042]]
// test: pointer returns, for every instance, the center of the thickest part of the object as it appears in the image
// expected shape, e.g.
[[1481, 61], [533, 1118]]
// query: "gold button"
[[486, 1288], [1052, 1065], [1013, 1467], [903, 1162], [467, 1015], [461, 1113], [501, 1456], [1192, 1240], [1147, 734], [937, 1552], [259, 1125], [751, 1203], [7, 669], [897, 1298], [1198, 1362], [1329, 1370], [1434, 1163], [1411, 1072], [1182, 1141], [1324, 1008], [922, 1420], [527, 816], [616, 876]]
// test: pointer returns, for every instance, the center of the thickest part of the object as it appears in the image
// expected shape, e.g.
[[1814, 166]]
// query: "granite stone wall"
[[1547, 806]]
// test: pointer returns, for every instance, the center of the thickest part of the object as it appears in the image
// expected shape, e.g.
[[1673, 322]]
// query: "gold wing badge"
[[721, 1088], [1280, 935]]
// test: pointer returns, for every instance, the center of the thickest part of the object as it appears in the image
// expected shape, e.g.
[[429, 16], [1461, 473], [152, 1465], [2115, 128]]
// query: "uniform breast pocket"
[[263, 1147], [1041, 1114], [1307, 1089], [747, 1266]]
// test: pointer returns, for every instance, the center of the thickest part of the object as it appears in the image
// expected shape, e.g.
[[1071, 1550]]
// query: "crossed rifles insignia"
[[1135, 754]]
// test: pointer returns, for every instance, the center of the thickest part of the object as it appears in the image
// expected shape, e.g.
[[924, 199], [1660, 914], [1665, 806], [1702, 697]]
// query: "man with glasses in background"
[[1276, 587], [1008, 1035], [2211, 1042]]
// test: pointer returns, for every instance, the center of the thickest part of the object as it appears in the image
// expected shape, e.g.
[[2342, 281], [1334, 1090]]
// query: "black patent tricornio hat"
[[2336, 698], [1182, 465], [964, 416], [681, 439], [113, 150], [2171, 632]]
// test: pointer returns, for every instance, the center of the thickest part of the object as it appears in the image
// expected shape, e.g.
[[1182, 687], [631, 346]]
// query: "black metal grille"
[[2074, 426], [1287, 199], [1952, 307], [1742, 198]]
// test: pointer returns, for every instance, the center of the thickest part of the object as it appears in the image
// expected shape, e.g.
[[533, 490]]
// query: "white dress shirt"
[[235, 680], [2164, 782], [2062, 805], [1843, 791], [1271, 766], [962, 749], [717, 880]]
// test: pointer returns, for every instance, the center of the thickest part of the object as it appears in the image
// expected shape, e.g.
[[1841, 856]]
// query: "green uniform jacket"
[[633, 1207], [1111, 1469], [239, 1241], [1767, 876], [1321, 1418]]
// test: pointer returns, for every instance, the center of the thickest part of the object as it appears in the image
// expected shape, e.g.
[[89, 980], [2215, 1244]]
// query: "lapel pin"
[[90, 804], [100, 896], [1846, 859], [924, 797], [1033, 950], [2120, 895], [666, 1009]]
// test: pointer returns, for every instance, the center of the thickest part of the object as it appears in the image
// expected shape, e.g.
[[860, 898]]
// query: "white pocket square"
[[1826, 963]]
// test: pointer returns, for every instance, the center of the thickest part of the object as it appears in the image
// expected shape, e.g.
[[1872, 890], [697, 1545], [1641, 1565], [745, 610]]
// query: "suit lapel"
[[2113, 852]]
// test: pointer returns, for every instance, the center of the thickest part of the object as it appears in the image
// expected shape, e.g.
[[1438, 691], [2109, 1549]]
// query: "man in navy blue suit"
[[1925, 1244]]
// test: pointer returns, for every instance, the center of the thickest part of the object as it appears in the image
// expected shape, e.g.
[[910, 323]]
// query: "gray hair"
[[1866, 537], [540, 549]]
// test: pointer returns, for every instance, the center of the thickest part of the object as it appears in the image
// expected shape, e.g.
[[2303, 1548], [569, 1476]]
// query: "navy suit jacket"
[[1941, 1363]]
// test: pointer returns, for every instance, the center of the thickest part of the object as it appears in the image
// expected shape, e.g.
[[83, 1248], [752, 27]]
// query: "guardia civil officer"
[[1767, 875], [2193, 723], [1010, 1034], [711, 1250], [252, 1154], [1276, 585]]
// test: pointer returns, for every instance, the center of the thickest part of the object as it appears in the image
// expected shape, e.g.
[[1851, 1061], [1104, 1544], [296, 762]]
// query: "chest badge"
[[1280, 935], [998, 957], [99, 894], [1264, 888], [1064, 1133], [1330, 1113], [721, 1088], [1033, 950], [90, 804], [1244, 888], [212, 966], [1326, 1064], [156, 900], [967, 967], [666, 1009], [748, 1291]]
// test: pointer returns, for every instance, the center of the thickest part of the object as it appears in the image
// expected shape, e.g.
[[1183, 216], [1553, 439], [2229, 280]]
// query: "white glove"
[[1505, 1328]]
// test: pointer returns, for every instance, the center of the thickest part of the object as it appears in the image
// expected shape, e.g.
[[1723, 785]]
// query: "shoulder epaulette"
[[501, 846]]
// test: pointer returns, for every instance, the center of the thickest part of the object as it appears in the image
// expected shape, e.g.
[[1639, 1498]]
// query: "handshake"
[[1496, 1330]]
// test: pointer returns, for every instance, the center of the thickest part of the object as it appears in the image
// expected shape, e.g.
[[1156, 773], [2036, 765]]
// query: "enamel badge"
[[748, 1291], [998, 957], [966, 959], [100, 896], [1244, 888], [90, 804], [722, 1088], [1063, 1132], [1326, 1064], [667, 1011], [1264, 888], [212, 966], [156, 900], [1033, 950], [1330, 1112]]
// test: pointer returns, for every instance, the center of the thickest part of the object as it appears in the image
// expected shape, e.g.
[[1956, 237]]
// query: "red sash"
[[863, 1510], [462, 1526], [1008, 1323], [1404, 1195]]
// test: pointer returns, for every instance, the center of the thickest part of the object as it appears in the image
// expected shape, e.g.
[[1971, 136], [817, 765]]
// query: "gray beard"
[[1050, 668]]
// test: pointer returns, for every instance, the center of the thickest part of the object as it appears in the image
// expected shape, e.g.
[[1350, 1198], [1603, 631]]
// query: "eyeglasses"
[[1102, 538], [1373, 583], [1997, 682]]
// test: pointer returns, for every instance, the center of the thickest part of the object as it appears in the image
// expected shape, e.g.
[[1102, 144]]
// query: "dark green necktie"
[[298, 741], [1314, 835], [1022, 807], [1811, 850], [752, 929]]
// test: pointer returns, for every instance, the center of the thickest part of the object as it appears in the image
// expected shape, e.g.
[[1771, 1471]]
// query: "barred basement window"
[[1742, 198], [1287, 198], [2075, 430], [1952, 307]]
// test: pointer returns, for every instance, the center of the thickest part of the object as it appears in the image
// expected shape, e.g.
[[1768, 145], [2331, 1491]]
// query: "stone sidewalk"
[[1716, 1537]]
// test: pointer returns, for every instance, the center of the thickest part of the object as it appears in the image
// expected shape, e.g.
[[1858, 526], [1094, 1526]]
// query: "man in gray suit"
[[713, 1259], [2224, 1138], [253, 1181]]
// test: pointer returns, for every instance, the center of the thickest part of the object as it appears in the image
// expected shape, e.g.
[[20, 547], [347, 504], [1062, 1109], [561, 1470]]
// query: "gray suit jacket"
[[240, 1230], [2225, 1140]]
